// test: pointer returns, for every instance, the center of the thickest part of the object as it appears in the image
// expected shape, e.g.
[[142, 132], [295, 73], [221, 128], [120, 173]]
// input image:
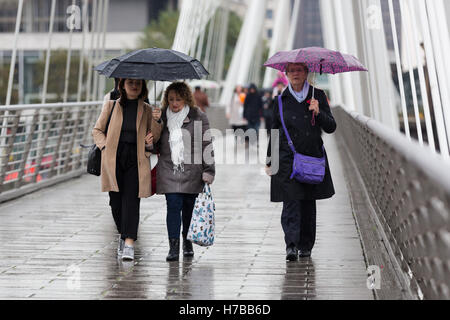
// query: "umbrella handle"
[[313, 120], [315, 77], [314, 84]]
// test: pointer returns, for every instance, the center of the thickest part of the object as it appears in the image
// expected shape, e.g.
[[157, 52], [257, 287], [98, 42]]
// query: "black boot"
[[188, 251], [174, 251], [291, 253]]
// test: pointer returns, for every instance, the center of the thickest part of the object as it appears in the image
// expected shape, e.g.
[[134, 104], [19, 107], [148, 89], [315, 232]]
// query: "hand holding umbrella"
[[314, 106], [156, 113]]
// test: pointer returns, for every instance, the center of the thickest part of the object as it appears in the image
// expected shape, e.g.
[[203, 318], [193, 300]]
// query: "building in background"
[[269, 20], [126, 20], [309, 25]]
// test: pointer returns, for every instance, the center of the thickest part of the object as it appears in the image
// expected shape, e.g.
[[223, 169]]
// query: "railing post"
[[9, 148], [11, 77], [90, 52], [26, 152], [44, 93], [97, 49]]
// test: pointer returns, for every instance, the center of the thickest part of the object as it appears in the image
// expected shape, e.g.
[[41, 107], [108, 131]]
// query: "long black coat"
[[307, 140], [253, 106]]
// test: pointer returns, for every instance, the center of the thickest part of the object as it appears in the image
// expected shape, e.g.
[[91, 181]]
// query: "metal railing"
[[39, 144], [409, 187]]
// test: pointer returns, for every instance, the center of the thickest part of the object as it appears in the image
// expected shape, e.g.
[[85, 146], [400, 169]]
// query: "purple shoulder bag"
[[305, 169]]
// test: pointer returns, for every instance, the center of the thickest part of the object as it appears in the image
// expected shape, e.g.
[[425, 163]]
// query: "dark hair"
[[116, 83], [183, 90], [123, 93], [198, 88]]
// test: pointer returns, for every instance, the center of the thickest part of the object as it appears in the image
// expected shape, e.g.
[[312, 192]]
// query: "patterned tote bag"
[[201, 230]]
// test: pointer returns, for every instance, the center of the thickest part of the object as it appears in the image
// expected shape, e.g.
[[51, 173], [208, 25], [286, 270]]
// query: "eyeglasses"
[[296, 70]]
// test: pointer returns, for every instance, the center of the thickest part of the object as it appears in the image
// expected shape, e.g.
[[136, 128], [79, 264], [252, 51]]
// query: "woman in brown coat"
[[186, 162], [125, 168]]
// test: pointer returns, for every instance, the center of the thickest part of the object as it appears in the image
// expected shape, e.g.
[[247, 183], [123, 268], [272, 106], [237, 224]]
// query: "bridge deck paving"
[[69, 225]]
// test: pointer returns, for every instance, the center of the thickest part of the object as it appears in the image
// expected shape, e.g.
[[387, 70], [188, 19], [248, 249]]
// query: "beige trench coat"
[[144, 123]]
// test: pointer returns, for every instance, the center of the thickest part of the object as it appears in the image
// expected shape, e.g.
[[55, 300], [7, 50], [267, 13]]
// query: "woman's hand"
[[156, 113], [149, 138], [314, 106], [268, 171]]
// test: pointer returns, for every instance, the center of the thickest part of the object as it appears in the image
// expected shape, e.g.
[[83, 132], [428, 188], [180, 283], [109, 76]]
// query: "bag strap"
[[280, 108], [110, 115], [207, 191], [291, 144]]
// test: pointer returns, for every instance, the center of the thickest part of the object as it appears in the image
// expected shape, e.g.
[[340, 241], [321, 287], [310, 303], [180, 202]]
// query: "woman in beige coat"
[[125, 168]]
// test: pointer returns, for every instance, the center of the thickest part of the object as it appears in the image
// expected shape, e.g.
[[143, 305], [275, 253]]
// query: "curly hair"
[[183, 90]]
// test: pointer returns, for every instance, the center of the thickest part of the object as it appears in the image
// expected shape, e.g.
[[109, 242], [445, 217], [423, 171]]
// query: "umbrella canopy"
[[153, 64], [317, 59], [207, 84]]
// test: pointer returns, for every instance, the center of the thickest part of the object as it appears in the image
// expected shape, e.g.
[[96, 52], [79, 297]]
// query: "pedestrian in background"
[[201, 99], [305, 118], [179, 177], [267, 110], [125, 168], [235, 111], [253, 108], [278, 90]]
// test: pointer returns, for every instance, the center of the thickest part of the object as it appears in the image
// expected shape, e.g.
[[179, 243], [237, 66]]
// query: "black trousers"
[[298, 220], [125, 203]]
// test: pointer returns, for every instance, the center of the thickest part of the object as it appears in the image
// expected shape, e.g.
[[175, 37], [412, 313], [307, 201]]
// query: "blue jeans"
[[255, 125], [179, 207]]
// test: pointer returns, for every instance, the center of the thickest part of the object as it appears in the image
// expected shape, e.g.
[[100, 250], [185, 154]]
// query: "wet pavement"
[[60, 243]]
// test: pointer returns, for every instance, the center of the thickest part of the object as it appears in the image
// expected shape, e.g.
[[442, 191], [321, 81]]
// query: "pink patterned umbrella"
[[317, 59]]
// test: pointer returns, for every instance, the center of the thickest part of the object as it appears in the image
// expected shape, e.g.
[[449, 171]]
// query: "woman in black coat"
[[300, 112]]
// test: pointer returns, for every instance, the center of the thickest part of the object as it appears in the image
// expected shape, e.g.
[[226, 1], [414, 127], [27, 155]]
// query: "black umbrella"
[[153, 64]]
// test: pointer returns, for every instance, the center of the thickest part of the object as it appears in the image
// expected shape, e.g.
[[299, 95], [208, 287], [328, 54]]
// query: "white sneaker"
[[128, 252]]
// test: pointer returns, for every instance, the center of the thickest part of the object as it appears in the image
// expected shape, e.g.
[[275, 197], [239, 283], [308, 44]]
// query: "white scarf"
[[300, 96], [174, 123]]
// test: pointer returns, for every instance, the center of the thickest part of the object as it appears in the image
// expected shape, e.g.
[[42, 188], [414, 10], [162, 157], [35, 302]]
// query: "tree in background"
[[4, 76], [56, 75], [161, 32]]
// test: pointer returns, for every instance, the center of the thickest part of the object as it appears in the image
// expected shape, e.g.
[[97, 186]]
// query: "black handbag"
[[94, 162]]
